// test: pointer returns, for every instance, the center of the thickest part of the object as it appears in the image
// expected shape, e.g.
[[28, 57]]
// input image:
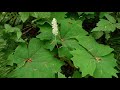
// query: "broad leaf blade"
[[46, 32], [84, 61], [33, 65], [105, 68], [73, 28], [64, 52], [34, 46], [58, 15], [91, 45], [71, 44]]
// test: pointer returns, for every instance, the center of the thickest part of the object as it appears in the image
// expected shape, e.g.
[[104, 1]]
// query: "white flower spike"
[[54, 27]]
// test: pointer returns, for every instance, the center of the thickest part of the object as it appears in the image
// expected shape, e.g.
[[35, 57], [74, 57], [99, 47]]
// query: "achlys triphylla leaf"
[[84, 61], [46, 32], [90, 44], [91, 56], [58, 15], [71, 44], [105, 68], [64, 52], [69, 30], [34, 61]]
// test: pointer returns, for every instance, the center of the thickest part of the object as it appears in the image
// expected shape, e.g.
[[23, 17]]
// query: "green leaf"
[[71, 28], [84, 61], [19, 34], [67, 32], [91, 56], [99, 67], [10, 59], [102, 14], [34, 61], [50, 44], [104, 25], [34, 46], [71, 44], [58, 15], [24, 15], [40, 15], [91, 45], [105, 68], [64, 52], [20, 55], [110, 18], [46, 32]]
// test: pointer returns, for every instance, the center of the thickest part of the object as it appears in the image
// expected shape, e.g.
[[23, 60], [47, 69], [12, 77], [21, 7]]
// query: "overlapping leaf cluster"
[[36, 58]]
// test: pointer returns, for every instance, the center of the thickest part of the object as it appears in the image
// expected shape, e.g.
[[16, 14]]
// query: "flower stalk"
[[54, 27]]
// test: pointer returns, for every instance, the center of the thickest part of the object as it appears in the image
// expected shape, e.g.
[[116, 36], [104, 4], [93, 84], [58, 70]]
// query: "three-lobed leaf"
[[69, 30], [94, 58], [34, 61]]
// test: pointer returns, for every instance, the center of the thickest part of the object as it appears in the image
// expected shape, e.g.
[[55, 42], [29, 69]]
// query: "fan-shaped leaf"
[[35, 61]]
